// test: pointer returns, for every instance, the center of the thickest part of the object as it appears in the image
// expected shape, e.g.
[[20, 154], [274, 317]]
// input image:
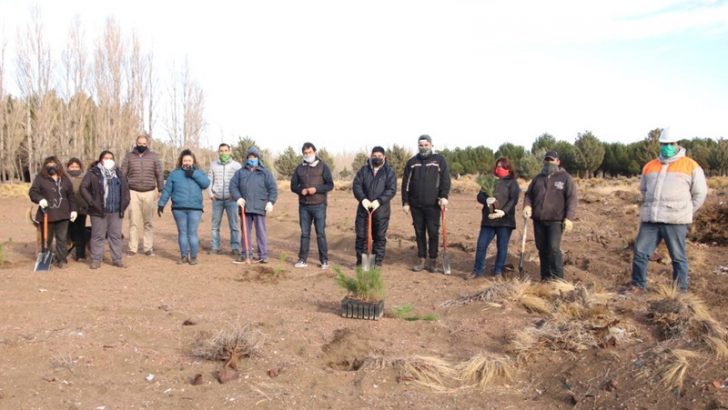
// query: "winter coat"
[[220, 176], [507, 192], [143, 171], [59, 194], [92, 191], [425, 180], [186, 192], [553, 197], [81, 204], [673, 189], [314, 175], [380, 187], [256, 185]]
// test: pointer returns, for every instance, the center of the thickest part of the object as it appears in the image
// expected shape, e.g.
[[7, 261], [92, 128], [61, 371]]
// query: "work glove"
[[490, 201], [442, 202], [406, 209], [74, 215], [241, 202], [366, 203], [160, 211], [568, 225], [527, 212], [374, 205], [189, 172], [43, 203], [268, 207], [497, 214]]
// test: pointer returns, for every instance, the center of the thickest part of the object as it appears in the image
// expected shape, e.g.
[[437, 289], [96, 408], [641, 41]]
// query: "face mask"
[[549, 168], [309, 158], [668, 151], [377, 162], [141, 148], [109, 164], [501, 172], [186, 167], [252, 162], [74, 173], [52, 170], [425, 152], [225, 158]]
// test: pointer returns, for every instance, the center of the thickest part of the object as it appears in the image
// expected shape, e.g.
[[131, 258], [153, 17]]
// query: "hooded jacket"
[[59, 194], [507, 192], [425, 180], [380, 187], [93, 193], [673, 189], [185, 192], [552, 198], [256, 185]]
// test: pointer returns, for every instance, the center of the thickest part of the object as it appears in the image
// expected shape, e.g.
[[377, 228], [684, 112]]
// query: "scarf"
[[108, 176]]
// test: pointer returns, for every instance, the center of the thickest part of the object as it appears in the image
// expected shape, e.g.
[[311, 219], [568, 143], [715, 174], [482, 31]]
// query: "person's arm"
[[35, 193], [167, 191], [211, 177], [234, 186], [201, 179], [572, 199], [296, 187], [444, 179], [328, 184], [390, 187], [70, 194], [405, 183], [481, 197], [85, 188], [514, 191], [125, 165], [357, 187], [527, 198], [698, 188], [271, 186], [159, 173]]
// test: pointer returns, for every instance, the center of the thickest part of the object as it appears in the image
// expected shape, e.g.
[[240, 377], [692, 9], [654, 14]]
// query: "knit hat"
[[378, 149]]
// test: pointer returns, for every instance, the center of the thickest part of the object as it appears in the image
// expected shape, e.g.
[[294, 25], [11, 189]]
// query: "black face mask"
[[74, 173], [52, 170], [377, 161], [141, 148]]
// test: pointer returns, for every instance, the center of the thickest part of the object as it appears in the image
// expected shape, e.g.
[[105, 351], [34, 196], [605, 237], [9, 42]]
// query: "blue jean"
[[316, 214], [187, 223], [487, 233], [230, 207], [648, 238]]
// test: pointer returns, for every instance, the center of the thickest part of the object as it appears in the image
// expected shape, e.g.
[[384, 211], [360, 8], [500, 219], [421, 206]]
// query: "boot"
[[420, 265], [432, 265]]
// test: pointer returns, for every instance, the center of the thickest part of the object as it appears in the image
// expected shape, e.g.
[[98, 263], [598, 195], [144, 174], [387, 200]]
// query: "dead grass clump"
[[14, 190], [672, 375], [484, 369], [229, 345], [502, 291], [427, 371]]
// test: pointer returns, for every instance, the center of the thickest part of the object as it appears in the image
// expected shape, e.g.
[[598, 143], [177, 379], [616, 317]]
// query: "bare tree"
[[108, 69], [186, 110], [78, 107]]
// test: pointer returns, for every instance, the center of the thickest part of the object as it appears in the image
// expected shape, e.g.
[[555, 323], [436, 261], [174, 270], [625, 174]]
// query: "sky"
[[348, 75]]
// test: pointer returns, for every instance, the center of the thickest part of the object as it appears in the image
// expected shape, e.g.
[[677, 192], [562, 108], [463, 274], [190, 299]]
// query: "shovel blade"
[[43, 262], [367, 262], [446, 264]]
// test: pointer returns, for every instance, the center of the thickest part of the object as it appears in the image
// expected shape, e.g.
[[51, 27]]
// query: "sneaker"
[[119, 264], [182, 260], [240, 260], [420, 265], [95, 265], [432, 266], [130, 253], [264, 260], [235, 252], [325, 265], [193, 261], [150, 253], [300, 264]]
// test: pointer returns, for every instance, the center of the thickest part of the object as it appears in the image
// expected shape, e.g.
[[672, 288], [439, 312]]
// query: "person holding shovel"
[[255, 191], [53, 192], [375, 184], [425, 189], [184, 186], [550, 201], [499, 218]]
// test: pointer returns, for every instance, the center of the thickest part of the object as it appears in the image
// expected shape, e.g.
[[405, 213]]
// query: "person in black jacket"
[[499, 223], [551, 200], [106, 190], [425, 189], [375, 184]]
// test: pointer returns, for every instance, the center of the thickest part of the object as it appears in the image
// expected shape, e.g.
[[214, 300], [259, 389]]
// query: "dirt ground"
[[121, 338]]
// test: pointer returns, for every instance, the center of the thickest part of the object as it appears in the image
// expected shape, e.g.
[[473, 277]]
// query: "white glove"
[[406, 209], [568, 225], [74, 215], [490, 201], [442, 202], [366, 203], [527, 212], [268, 207], [241, 202], [497, 214], [43, 203], [374, 205]]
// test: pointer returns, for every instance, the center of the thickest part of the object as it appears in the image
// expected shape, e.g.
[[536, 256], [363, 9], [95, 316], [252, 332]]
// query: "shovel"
[[445, 259], [45, 257], [521, 268], [244, 224], [367, 260]]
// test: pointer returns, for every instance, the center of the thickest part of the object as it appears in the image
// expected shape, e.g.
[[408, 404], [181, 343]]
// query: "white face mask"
[[109, 164], [309, 158]]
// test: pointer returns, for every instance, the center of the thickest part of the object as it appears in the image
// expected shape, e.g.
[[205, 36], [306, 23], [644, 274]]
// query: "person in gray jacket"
[[220, 174], [254, 189], [673, 188]]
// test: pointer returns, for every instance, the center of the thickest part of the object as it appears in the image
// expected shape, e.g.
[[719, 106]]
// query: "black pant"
[[59, 231], [426, 219], [380, 224], [548, 242], [79, 235]]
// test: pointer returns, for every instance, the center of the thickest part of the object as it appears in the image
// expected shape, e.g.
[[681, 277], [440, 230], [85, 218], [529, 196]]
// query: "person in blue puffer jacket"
[[184, 186], [254, 189]]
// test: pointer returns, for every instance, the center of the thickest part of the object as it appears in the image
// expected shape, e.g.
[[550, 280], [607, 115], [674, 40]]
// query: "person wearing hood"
[[220, 174], [425, 191], [374, 186], [551, 200], [184, 187], [143, 170], [77, 229], [312, 181], [254, 189], [499, 223], [106, 191], [673, 188], [53, 192]]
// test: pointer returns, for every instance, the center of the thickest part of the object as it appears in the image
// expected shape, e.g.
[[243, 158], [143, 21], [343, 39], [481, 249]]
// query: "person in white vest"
[[220, 173]]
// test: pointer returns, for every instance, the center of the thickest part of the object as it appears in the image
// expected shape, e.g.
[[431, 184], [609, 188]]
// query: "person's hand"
[[241, 202], [497, 214], [312, 190], [366, 203], [43, 203], [406, 209], [442, 202], [74, 215], [527, 212], [268, 207], [304, 191], [189, 172], [374, 205], [160, 211], [568, 225]]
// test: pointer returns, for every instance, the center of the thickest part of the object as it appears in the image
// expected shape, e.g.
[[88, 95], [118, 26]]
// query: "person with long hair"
[[184, 186], [53, 192], [77, 229], [106, 190]]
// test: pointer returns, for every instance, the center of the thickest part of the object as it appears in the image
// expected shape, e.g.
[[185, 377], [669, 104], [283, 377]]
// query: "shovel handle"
[[43, 240], [369, 232], [444, 227], [244, 226]]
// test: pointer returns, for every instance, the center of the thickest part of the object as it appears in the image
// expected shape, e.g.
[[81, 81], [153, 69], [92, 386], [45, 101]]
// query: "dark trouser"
[[380, 224], [105, 228], [77, 232], [59, 231], [316, 214], [548, 242], [426, 219], [487, 233]]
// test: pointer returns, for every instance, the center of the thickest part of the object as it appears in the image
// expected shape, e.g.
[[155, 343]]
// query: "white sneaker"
[[300, 264], [325, 265]]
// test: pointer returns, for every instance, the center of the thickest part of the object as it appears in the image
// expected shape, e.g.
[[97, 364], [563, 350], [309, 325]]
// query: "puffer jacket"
[[143, 171], [552, 197], [220, 176], [256, 185], [186, 193], [59, 194], [93, 193], [425, 180], [380, 187], [507, 192], [673, 189]]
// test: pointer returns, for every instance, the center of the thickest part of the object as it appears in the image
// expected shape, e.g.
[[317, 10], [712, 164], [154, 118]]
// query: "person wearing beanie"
[[374, 186], [425, 191], [220, 174]]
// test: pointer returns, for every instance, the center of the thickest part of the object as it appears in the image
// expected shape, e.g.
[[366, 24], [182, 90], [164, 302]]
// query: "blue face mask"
[[668, 151], [253, 162]]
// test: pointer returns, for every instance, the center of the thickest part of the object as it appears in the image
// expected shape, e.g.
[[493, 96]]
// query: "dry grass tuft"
[[718, 346], [228, 345], [431, 372], [672, 375], [533, 303], [14, 190], [507, 290], [483, 369]]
